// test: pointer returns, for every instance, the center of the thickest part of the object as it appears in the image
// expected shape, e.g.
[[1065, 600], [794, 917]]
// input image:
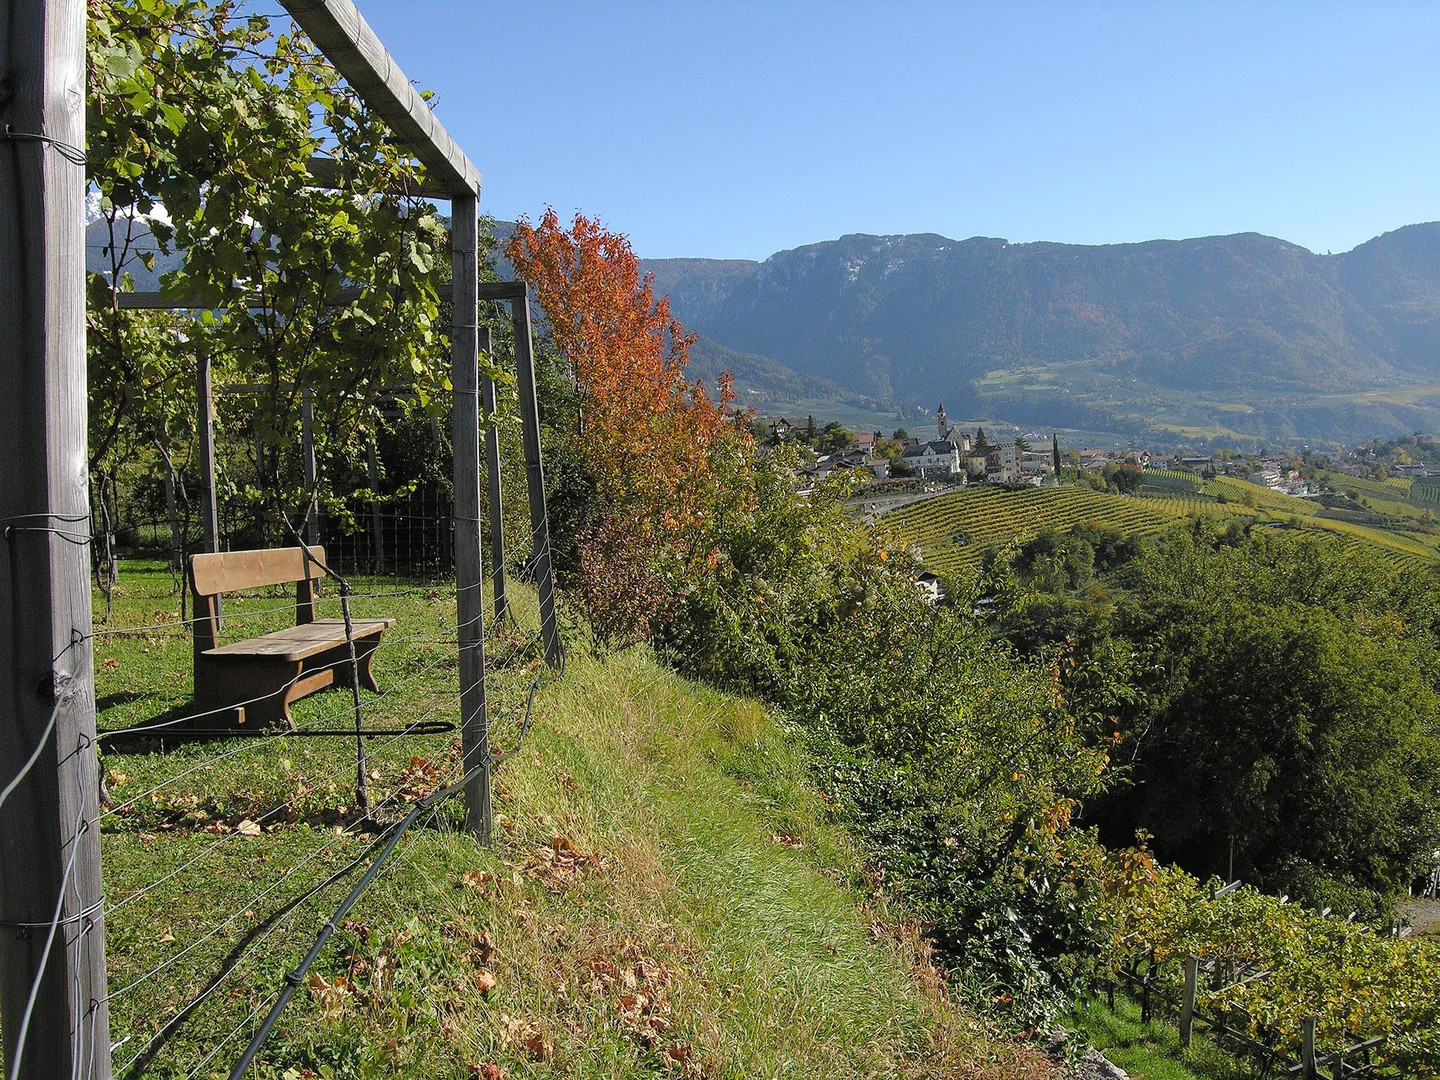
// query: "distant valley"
[[1232, 340]]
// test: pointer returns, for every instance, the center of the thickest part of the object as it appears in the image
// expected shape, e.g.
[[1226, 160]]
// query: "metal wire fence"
[[224, 848]]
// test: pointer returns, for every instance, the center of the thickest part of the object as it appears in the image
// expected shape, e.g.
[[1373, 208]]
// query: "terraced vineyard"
[[1172, 478], [1271, 502], [1188, 505], [954, 530], [1425, 492]]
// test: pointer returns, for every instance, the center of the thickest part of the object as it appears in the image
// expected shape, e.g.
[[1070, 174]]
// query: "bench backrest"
[[232, 571]]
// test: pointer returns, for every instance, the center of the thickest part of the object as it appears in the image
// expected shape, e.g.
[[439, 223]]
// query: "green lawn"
[[666, 895], [1152, 1051]]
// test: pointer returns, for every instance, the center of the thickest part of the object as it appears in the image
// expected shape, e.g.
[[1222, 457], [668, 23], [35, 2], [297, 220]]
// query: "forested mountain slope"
[[1257, 335]]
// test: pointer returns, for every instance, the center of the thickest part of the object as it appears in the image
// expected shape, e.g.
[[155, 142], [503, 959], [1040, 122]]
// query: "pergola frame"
[[47, 738]]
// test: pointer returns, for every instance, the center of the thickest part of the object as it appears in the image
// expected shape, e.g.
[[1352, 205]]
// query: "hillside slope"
[[665, 897]]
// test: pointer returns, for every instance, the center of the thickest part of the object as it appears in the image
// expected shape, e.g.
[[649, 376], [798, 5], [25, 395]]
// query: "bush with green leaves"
[[961, 764], [1280, 719]]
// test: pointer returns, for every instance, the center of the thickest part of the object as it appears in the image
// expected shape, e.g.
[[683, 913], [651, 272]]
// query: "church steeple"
[[944, 421]]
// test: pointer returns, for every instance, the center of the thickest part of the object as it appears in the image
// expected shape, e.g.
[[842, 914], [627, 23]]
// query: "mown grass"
[[666, 896], [1152, 1051]]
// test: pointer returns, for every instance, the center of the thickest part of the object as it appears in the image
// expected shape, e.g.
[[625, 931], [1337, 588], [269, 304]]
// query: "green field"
[[953, 531]]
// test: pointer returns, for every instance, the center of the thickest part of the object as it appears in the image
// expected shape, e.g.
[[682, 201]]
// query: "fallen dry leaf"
[[538, 1047], [680, 1053], [559, 866], [485, 982], [485, 883], [248, 828]]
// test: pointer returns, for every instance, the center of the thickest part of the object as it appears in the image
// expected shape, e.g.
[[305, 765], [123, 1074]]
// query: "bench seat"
[[303, 641], [255, 680]]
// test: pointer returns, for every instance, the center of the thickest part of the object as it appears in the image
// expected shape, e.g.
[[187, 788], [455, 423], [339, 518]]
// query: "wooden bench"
[[254, 681]]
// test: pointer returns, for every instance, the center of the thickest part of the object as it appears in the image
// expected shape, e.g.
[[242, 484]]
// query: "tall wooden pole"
[[377, 515], [205, 431], [535, 474], [465, 379], [49, 836], [307, 464], [492, 476]]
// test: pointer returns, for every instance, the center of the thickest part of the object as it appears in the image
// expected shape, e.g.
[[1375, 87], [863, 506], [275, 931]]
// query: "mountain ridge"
[[1209, 331]]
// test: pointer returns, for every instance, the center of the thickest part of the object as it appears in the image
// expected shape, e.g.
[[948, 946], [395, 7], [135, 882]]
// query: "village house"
[[950, 433], [1037, 463], [929, 585], [939, 457], [1002, 464], [783, 428]]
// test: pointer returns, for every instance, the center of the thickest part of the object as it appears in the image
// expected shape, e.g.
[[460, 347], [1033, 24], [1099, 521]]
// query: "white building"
[[937, 458]]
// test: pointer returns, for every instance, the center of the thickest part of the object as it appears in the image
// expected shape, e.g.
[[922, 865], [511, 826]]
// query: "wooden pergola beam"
[[343, 35], [157, 301]]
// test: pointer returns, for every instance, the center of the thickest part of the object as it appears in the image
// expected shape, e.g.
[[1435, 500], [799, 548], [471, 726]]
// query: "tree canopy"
[[201, 123]]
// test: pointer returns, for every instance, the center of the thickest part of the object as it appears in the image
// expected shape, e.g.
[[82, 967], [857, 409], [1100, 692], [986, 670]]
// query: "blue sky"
[[736, 129]]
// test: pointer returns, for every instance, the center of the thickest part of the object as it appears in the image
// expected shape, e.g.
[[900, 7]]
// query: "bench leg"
[[365, 659], [248, 693], [338, 661]]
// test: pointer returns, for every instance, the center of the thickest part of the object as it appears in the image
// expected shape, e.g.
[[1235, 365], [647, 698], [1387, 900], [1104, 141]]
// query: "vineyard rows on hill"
[[1172, 478], [1426, 493], [954, 530], [1396, 487], [1188, 505], [1262, 498]]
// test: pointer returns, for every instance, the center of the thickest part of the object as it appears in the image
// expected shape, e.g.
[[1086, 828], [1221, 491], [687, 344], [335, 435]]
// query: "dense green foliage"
[[1280, 715], [201, 122], [960, 765], [1274, 963]]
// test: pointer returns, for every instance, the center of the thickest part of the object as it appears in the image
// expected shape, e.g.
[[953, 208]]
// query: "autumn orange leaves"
[[647, 437]]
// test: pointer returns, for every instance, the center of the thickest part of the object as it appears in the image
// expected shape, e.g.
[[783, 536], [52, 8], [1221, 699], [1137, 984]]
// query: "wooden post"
[[377, 517], [492, 471], [49, 835], [205, 430], [1187, 1002], [307, 464], [210, 514], [1308, 1068], [470, 607], [535, 473], [172, 512]]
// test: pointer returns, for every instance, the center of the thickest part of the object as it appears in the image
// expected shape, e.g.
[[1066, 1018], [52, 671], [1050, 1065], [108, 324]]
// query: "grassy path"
[[666, 897]]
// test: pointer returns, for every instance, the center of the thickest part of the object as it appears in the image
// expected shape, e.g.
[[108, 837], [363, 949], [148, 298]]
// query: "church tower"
[[944, 421]]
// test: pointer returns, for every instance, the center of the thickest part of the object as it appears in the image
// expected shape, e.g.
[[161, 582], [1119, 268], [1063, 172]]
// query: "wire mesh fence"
[[224, 849]]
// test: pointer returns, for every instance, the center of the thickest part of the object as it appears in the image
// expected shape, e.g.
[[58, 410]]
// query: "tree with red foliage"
[[650, 441]]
